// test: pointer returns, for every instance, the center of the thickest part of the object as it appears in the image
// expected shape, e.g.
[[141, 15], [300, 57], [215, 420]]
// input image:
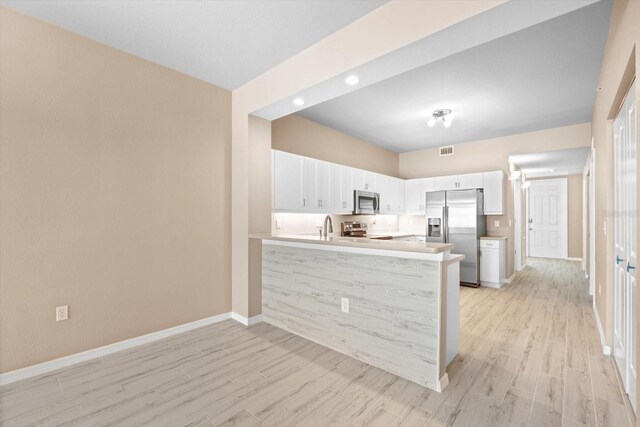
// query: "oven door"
[[366, 203]]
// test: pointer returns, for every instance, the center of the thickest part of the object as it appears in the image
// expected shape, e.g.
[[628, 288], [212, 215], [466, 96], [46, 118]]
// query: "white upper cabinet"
[[358, 179], [318, 183], [446, 183], [415, 194], [302, 184], [288, 177], [459, 182], [341, 189], [470, 181], [494, 193], [414, 204]]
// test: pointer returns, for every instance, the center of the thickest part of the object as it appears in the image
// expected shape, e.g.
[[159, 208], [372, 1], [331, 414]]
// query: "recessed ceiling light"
[[352, 80], [298, 102]]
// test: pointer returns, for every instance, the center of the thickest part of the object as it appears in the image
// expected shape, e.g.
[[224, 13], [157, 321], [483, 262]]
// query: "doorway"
[[625, 250], [547, 221]]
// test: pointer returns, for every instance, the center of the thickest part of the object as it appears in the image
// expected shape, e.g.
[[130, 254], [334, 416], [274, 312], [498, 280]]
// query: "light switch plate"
[[345, 305], [278, 224], [496, 223]]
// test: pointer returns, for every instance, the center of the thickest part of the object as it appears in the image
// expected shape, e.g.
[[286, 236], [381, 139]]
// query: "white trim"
[[443, 382], [510, 279], [63, 362], [492, 285], [246, 321], [605, 348], [574, 259]]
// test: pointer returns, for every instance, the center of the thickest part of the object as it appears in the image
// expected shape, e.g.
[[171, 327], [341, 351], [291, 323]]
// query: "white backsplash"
[[290, 223], [412, 224]]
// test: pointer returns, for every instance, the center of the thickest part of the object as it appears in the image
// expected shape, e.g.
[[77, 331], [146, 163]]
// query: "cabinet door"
[[490, 265], [288, 181], [370, 182], [358, 179], [493, 193], [323, 185], [428, 184], [400, 196], [414, 196], [470, 181], [445, 183], [346, 204], [385, 186], [310, 184], [336, 187]]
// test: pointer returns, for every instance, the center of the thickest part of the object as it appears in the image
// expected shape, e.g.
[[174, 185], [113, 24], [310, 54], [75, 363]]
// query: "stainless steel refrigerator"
[[458, 217]]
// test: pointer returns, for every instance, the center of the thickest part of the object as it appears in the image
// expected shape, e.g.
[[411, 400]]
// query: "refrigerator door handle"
[[445, 224]]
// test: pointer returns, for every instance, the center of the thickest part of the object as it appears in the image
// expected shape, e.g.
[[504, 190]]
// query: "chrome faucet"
[[324, 227]]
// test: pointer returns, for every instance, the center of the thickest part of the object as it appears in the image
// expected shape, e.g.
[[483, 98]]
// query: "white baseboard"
[[574, 259], [510, 279], [605, 348], [492, 285], [444, 381], [246, 321], [52, 365]]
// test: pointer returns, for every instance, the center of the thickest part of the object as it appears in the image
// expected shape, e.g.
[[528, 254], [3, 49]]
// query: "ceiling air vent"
[[446, 151]]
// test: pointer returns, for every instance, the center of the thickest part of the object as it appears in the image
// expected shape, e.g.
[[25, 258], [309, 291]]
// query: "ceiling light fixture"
[[298, 102], [352, 80], [444, 115]]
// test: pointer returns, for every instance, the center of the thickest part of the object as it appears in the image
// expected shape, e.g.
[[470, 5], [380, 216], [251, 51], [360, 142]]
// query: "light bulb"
[[431, 123], [447, 124], [447, 118], [352, 80]]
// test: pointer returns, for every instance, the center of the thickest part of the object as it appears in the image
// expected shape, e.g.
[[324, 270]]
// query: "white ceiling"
[[551, 163], [224, 42], [540, 77]]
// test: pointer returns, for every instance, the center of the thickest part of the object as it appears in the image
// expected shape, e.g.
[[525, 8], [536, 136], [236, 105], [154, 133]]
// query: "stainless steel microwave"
[[366, 203]]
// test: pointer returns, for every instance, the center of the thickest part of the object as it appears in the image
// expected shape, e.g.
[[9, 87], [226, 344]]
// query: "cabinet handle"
[[344, 204], [366, 186], [618, 260], [630, 267], [319, 203]]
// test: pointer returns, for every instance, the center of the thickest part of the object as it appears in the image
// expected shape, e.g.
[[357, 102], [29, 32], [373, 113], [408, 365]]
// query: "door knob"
[[630, 267], [618, 260]]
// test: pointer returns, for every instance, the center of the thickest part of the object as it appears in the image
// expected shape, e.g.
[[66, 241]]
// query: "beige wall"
[[295, 134], [260, 188], [493, 154], [115, 194], [620, 64], [575, 211]]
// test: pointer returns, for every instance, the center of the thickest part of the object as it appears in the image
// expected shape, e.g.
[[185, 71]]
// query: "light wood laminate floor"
[[530, 355]]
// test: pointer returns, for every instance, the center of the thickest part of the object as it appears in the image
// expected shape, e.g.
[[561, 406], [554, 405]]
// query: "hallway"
[[530, 355]]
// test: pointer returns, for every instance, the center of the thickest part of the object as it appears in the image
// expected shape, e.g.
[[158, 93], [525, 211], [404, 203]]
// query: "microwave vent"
[[446, 151]]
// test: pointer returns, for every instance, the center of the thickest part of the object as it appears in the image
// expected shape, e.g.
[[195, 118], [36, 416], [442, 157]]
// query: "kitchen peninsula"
[[392, 304]]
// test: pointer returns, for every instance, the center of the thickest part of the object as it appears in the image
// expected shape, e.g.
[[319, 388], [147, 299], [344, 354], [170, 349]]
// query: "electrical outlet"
[[345, 305], [278, 224], [62, 313], [496, 223]]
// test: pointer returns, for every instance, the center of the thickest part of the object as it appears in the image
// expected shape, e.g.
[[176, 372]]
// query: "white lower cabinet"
[[492, 262]]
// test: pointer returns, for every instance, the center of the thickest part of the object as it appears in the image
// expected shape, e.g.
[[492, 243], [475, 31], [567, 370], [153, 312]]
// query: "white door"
[[517, 224], [624, 280], [548, 218]]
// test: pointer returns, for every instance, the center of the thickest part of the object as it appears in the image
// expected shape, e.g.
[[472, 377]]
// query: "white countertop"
[[393, 245], [494, 238]]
